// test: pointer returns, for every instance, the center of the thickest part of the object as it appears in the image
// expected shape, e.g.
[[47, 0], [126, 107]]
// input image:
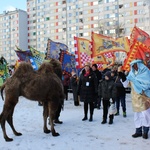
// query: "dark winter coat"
[[74, 86], [66, 80], [87, 92], [119, 86], [107, 89], [98, 74]]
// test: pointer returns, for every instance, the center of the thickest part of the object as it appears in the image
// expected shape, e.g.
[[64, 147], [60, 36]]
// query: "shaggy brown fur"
[[43, 85]]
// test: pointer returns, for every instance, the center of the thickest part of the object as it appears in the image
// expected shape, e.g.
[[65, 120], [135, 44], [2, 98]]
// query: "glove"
[[122, 76]]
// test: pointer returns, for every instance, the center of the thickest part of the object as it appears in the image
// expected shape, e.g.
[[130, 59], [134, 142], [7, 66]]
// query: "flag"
[[23, 55], [38, 57], [4, 70], [54, 48], [68, 62], [138, 51], [140, 36], [82, 51], [102, 44], [27, 56]]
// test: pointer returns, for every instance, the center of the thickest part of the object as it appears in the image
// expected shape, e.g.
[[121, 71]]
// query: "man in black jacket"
[[97, 103]]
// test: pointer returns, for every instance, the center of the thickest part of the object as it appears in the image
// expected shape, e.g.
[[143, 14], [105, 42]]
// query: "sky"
[[6, 5], [75, 134]]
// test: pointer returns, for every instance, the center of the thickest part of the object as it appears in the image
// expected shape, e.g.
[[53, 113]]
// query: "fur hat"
[[108, 74], [87, 64]]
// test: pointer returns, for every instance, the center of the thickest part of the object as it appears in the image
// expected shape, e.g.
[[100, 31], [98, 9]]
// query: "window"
[[47, 18], [34, 33], [80, 34]]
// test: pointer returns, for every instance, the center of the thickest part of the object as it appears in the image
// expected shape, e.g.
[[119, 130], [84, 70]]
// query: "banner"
[[54, 48], [140, 36], [68, 62], [138, 51], [82, 51], [102, 44]]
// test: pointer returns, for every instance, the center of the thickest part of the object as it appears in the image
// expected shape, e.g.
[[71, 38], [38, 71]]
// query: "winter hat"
[[108, 74], [87, 64]]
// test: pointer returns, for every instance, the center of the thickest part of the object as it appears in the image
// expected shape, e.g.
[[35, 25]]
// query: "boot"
[[91, 118], [135, 135], [145, 136], [138, 133], [58, 121], [111, 119], [104, 121], [85, 118], [124, 114]]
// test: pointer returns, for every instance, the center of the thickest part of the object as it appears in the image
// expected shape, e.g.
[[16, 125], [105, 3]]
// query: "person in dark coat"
[[74, 86], [66, 82], [107, 91], [87, 89], [97, 103], [121, 94]]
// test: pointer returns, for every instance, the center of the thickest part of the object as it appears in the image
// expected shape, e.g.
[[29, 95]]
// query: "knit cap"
[[108, 74]]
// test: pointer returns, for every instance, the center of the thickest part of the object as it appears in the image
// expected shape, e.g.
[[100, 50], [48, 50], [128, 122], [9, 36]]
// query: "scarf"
[[141, 78]]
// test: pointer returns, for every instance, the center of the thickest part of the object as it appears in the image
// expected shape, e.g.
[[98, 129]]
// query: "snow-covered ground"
[[75, 134]]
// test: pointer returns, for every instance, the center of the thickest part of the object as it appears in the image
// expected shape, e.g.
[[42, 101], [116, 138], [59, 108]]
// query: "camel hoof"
[[18, 134], [8, 139], [56, 134], [47, 131]]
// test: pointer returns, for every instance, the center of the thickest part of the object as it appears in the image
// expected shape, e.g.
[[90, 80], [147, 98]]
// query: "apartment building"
[[61, 20], [13, 31]]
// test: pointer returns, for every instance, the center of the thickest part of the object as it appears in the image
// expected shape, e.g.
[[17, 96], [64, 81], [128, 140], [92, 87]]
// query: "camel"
[[42, 85]]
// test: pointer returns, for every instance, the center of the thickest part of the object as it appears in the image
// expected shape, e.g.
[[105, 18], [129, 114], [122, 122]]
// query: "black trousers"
[[91, 104], [66, 91], [106, 105]]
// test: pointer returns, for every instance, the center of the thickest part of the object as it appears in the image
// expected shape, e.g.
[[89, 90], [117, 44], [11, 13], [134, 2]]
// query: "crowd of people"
[[102, 89]]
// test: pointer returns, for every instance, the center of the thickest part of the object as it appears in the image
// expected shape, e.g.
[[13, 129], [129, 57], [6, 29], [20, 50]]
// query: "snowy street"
[[75, 134]]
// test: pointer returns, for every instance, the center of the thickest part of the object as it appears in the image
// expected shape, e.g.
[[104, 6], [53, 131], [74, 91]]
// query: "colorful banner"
[[137, 51], [102, 44], [140, 36], [4, 71], [82, 51], [38, 56], [68, 62], [54, 48]]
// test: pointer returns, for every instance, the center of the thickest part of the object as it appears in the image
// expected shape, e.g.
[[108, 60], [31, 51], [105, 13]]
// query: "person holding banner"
[[139, 79]]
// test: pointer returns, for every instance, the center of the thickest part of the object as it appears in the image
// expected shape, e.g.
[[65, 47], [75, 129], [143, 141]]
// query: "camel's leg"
[[45, 116], [2, 122], [52, 107], [7, 112], [10, 122], [3, 119]]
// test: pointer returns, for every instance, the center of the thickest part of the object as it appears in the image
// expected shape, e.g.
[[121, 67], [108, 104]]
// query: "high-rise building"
[[13, 32], [61, 20]]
